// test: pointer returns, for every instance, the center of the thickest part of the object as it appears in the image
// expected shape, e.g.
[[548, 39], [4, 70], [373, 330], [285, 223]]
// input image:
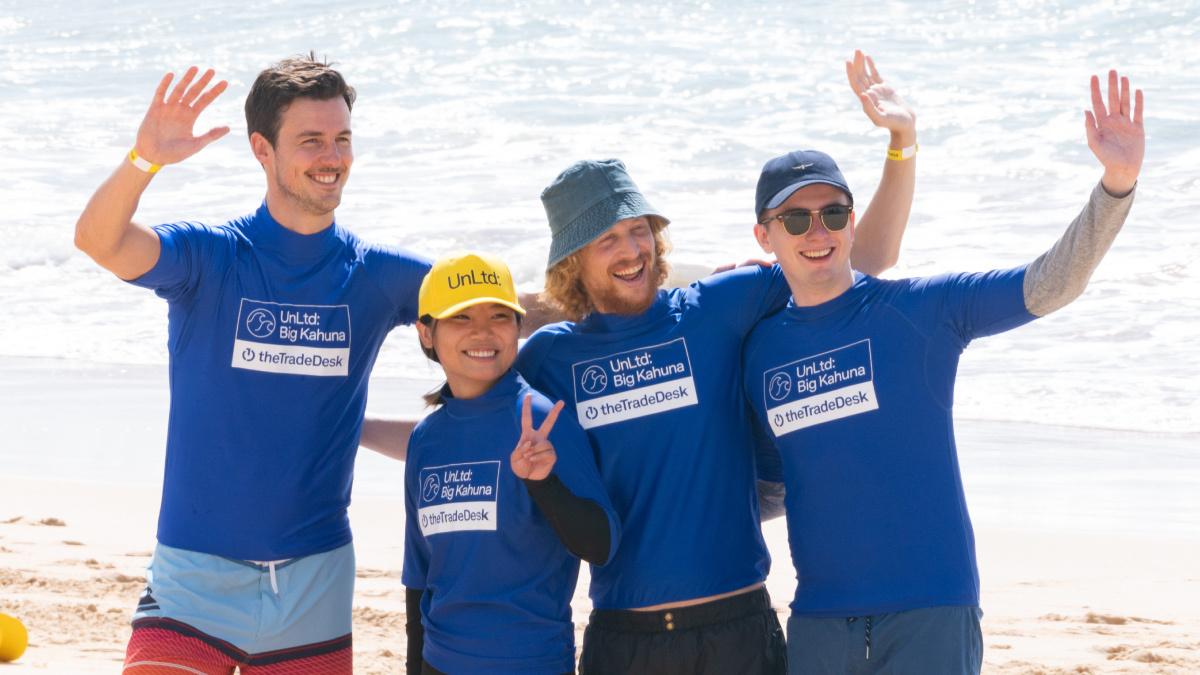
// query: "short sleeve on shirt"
[[981, 303], [743, 296], [400, 278], [186, 250], [533, 353]]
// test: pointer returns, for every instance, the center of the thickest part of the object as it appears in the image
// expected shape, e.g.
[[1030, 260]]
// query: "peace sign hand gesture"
[[1115, 135], [165, 136], [534, 457]]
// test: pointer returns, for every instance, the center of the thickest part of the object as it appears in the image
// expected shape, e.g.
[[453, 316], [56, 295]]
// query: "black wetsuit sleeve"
[[413, 662], [580, 523]]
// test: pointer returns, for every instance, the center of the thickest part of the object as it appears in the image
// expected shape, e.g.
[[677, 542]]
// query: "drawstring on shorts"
[[270, 565], [868, 638], [866, 633]]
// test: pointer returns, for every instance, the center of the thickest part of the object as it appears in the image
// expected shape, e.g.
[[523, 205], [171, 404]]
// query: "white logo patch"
[[458, 497], [633, 383], [292, 339], [820, 388]]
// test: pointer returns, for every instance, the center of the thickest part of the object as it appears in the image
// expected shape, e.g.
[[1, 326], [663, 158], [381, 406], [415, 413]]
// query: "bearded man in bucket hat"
[[653, 377]]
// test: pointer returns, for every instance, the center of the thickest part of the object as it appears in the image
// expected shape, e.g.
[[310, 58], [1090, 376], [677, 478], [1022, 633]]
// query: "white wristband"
[[142, 163], [903, 153]]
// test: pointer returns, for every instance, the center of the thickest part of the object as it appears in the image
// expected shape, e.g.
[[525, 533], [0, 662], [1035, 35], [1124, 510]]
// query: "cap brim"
[[597, 220], [455, 309], [781, 196]]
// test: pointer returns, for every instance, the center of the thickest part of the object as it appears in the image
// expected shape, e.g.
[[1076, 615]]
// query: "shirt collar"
[[266, 232]]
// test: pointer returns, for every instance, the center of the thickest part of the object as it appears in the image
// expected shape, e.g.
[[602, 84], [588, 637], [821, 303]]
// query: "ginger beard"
[[621, 270]]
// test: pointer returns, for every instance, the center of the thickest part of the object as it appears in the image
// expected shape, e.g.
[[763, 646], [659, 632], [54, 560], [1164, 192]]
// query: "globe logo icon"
[[260, 323], [594, 380], [431, 487], [780, 386]]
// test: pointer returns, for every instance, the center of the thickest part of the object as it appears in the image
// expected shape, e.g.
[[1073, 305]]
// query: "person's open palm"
[[534, 456], [882, 104], [166, 133], [1115, 133]]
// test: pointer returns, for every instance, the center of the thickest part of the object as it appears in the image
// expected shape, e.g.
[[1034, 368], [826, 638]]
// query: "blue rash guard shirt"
[[498, 581], [857, 394], [659, 394], [271, 335]]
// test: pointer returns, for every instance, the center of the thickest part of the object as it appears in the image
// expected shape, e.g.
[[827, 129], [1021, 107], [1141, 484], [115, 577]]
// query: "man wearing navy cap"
[[652, 375], [854, 382]]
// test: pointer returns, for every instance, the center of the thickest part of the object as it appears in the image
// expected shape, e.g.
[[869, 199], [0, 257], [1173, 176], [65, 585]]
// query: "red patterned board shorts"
[[166, 647], [205, 614]]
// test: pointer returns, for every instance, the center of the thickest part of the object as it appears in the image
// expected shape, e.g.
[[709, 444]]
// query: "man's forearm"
[[879, 232], [387, 436], [105, 230], [537, 313], [1060, 274]]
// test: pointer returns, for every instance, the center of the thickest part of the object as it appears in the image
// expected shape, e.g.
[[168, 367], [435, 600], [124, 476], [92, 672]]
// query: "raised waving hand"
[[105, 230], [534, 456], [881, 225], [882, 104], [166, 134], [1115, 133]]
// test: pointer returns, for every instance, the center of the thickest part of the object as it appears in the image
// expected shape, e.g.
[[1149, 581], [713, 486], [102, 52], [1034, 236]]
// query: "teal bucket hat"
[[587, 199]]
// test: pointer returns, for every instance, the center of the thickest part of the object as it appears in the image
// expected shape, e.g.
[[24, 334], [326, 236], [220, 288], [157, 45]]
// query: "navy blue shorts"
[[943, 640]]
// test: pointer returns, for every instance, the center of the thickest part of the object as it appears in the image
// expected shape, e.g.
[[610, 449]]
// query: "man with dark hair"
[[275, 320], [297, 77]]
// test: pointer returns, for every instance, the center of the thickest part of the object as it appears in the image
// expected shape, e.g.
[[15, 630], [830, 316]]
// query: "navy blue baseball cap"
[[784, 175]]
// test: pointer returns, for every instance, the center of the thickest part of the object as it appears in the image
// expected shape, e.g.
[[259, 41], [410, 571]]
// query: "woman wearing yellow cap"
[[502, 497]]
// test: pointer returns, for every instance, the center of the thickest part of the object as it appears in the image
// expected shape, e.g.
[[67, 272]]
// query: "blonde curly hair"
[[564, 289]]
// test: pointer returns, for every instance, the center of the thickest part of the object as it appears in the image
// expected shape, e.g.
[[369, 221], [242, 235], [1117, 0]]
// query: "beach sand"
[[73, 551], [73, 557]]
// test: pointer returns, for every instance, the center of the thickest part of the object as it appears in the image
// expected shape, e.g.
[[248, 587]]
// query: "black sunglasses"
[[797, 222]]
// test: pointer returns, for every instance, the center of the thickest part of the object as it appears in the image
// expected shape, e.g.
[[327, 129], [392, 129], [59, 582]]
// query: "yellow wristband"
[[903, 153], [142, 163]]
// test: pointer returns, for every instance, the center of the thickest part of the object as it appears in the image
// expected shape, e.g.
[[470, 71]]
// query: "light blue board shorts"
[[256, 607], [941, 640]]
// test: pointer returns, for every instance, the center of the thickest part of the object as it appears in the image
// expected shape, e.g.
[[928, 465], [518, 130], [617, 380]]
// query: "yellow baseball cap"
[[457, 282]]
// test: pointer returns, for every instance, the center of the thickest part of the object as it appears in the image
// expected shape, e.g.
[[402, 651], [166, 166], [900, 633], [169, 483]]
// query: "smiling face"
[[817, 263], [620, 270], [476, 346], [309, 163]]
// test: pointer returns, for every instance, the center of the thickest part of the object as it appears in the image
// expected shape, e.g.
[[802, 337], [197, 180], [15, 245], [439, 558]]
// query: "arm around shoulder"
[[387, 436], [538, 313]]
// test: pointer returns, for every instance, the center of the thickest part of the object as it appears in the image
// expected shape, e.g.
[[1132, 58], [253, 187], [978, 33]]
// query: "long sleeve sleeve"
[[580, 523], [1060, 274]]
